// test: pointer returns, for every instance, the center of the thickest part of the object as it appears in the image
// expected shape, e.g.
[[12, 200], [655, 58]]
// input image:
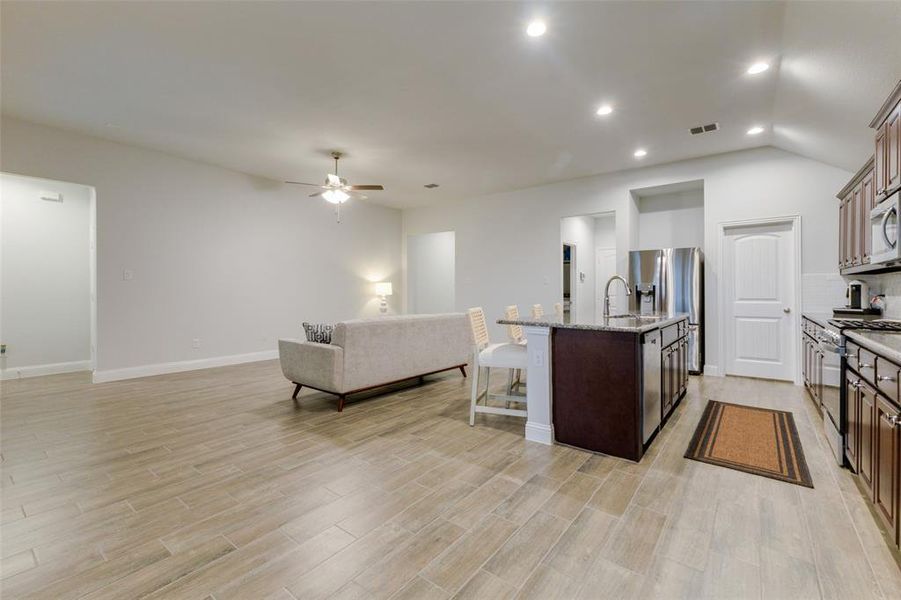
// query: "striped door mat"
[[750, 439]]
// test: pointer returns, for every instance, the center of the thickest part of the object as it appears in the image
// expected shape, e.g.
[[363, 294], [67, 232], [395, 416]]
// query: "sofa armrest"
[[319, 366]]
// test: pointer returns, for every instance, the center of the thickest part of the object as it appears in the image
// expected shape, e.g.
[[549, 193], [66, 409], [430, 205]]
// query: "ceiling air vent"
[[431, 186], [705, 128]]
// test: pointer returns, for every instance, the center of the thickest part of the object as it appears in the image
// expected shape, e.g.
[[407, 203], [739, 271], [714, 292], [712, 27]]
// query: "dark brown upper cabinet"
[[856, 200], [887, 124]]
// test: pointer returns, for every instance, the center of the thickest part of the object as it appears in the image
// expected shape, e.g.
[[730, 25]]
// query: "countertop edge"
[[818, 318], [865, 338], [596, 327]]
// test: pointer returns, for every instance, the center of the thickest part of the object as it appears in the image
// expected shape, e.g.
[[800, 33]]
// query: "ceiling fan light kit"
[[337, 191]]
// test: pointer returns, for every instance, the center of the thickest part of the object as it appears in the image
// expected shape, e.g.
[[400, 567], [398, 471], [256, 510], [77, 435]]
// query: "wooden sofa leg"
[[341, 398], [463, 370], [296, 391]]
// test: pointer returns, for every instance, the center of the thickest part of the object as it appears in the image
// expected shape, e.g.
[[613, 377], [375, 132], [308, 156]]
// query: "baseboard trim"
[[181, 366], [49, 369], [711, 371], [537, 432]]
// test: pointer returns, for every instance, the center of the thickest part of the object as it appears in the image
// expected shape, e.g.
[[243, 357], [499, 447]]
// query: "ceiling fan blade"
[[316, 194], [367, 187], [304, 183]]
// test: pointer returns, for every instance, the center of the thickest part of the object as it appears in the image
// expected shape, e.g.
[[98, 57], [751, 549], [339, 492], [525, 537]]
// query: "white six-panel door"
[[758, 275]]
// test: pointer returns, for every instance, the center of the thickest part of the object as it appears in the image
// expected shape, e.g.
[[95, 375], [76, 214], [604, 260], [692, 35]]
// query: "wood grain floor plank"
[[214, 484]]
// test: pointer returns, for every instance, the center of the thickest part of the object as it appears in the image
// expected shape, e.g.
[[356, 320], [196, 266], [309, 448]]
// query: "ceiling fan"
[[336, 190]]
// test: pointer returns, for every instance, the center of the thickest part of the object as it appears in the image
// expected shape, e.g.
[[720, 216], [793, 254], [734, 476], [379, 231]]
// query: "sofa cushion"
[[318, 332]]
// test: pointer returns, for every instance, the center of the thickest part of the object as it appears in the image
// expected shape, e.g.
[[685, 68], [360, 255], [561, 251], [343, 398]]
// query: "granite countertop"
[[819, 318], [886, 344], [624, 323]]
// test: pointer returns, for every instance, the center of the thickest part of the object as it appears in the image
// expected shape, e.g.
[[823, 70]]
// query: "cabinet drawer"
[[866, 365], [851, 354], [887, 378], [669, 334]]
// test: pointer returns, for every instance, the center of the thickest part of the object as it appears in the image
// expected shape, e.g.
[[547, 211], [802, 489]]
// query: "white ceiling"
[[452, 92]]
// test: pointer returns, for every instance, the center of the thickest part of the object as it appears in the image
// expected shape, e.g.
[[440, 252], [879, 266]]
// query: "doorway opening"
[[589, 260], [48, 288], [431, 264], [570, 276]]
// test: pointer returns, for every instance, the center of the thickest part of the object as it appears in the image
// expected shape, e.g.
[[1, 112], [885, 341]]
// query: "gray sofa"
[[369, 353]]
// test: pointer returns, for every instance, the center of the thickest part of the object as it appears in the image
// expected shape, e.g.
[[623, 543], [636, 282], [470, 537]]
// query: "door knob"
[[786, 310]]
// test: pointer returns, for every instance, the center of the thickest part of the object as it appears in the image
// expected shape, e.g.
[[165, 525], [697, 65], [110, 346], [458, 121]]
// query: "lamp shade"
[[383, 288]]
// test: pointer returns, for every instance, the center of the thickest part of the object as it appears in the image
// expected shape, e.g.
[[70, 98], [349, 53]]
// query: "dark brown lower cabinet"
[[886, 446], [852, 439], [867, 397]]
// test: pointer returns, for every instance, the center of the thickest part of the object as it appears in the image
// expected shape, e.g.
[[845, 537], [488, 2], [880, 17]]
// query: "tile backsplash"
[[888, 284], [821, 292]]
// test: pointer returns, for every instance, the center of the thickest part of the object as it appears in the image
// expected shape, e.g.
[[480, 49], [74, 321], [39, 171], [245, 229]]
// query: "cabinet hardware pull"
[[893, 420], [864, 366], [885, 378]]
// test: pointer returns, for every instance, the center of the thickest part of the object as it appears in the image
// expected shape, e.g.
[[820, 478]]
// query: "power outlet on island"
[[195, 343]]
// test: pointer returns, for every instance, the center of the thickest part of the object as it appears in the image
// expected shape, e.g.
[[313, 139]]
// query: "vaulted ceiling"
[[452, 93]]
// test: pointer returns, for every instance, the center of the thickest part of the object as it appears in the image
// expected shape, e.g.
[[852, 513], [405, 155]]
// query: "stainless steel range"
[[832, 341]]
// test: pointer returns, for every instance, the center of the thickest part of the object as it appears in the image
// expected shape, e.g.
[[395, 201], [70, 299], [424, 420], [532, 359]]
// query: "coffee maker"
[[858, 295]]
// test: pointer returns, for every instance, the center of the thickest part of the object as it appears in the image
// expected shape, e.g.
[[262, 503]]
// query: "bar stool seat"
[[512, 356], [504, 356]]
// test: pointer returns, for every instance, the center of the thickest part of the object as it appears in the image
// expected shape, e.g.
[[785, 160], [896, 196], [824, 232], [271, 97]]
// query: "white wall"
[[45, 276], [508, 243], [430, 273], [232, 259], [605, 231], [578, 231], [671, 220]]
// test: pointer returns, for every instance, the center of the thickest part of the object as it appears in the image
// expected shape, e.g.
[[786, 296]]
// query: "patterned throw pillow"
[[318, 332]]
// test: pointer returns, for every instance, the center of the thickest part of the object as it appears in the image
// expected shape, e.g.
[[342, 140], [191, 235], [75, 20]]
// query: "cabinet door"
[[818, 375], [852, 439], [854, 237], [842, 228], [893, 150], [867, 434], [868, 194], [805, 360], [881, 158], [885, 486]]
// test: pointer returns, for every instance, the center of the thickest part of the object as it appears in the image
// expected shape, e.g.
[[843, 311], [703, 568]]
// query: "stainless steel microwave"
[[884, 229]]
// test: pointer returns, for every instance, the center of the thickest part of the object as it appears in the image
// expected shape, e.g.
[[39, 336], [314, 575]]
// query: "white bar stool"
[[493, 356], [537, 311], [558, 311]]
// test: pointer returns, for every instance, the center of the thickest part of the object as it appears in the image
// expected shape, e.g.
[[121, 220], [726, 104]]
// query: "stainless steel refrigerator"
[[671, 280]]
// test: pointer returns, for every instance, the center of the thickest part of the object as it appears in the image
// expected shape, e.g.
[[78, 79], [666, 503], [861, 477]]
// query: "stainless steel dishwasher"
[[650, 384]]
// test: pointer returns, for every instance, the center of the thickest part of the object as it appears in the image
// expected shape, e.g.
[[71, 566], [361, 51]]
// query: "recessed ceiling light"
[[536, 28], [758, 67], [640, 153], [755, 130], [605, 109]]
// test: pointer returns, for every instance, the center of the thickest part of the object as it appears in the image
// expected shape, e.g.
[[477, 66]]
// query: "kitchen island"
[[605, 385]]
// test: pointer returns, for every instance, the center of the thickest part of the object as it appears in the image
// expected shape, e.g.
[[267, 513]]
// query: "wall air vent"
[[704, 128]]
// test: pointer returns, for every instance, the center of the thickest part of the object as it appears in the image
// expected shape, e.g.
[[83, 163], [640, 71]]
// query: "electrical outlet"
[[195, 343], [128, 274]]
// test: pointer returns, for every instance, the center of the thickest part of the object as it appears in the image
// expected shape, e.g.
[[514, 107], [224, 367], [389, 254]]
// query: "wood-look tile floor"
[[212, 484]]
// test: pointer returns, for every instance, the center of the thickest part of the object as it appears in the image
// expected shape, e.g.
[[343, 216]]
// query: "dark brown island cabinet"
[[873, 431], [601, 387], [876, 181]]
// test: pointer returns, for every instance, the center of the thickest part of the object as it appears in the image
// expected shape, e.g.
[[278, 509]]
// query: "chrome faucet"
[[607, 292]]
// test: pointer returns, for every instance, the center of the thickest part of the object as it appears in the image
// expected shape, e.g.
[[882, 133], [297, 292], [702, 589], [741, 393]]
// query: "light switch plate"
[[128, 274]]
